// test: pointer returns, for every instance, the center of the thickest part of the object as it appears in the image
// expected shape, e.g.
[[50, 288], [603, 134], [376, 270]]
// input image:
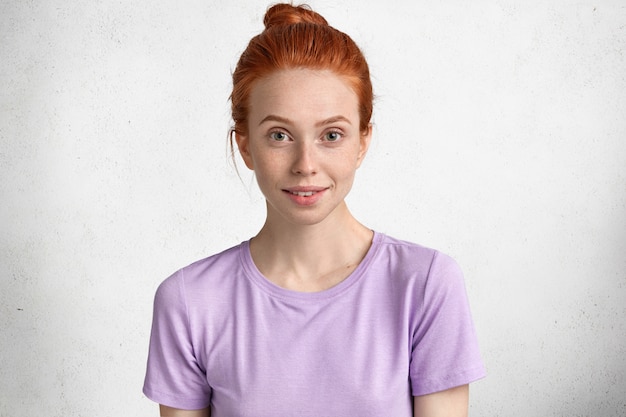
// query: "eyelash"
[[333, 132], [278, 132], [273, 134]]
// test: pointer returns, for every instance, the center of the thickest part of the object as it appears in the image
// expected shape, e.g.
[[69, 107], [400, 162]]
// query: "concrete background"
[[500, 139]]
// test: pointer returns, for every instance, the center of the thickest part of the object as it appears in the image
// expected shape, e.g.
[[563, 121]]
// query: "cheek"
[[348, 162], [266, 167]]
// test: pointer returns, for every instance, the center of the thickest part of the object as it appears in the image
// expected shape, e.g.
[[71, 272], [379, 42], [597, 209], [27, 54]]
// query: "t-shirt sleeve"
[[173, 376], [445, 351]]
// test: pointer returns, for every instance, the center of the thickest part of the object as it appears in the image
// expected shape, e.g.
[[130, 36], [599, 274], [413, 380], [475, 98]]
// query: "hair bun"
[[285, 14]]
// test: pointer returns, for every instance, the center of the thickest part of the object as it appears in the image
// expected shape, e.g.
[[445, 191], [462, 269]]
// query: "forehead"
[[303, 94]]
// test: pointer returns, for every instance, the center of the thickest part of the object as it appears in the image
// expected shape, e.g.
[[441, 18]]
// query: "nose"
[[305, 160]]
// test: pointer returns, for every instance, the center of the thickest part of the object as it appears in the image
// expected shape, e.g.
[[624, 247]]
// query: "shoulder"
[[214, 265], [412, 256], [399, 247], [201, 274], [422, 265]]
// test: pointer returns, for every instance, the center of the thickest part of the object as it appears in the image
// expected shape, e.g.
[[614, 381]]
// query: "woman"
[[317, 315]]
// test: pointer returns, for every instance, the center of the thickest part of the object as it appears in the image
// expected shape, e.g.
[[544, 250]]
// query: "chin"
[[304, 217]]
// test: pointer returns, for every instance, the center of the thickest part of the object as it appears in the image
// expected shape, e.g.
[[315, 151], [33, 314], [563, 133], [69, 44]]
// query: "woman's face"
[[303, 143]]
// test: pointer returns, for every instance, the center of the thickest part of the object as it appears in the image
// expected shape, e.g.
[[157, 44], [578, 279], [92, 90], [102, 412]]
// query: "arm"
[[175, 412], [453, 402]]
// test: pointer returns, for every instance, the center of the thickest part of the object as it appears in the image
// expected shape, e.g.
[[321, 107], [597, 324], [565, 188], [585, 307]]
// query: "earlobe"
[[243, 144]]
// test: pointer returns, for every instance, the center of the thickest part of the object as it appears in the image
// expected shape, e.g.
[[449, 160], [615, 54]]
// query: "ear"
[[364, 144], [243, 144]]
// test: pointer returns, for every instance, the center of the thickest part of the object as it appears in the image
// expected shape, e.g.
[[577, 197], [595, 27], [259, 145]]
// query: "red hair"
[[297, 37]]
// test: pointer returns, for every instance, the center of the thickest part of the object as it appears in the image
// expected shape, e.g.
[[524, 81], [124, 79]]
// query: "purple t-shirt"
[[397, 327]]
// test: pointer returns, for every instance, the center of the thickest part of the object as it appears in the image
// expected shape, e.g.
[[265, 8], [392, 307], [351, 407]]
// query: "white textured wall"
[[500, 139]]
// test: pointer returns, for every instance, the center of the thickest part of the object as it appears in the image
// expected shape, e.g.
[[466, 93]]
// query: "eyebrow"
[[334, 119]]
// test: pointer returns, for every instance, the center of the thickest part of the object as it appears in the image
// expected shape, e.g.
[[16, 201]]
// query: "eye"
[[333, 136], [279, 136]]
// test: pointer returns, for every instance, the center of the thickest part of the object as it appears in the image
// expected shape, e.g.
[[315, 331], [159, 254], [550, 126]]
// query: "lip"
[[305, 195]]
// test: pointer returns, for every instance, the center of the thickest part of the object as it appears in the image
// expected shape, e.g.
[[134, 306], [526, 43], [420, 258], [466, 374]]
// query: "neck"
[[310, 257]]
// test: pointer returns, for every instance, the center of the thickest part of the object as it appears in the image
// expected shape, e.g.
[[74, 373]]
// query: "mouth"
[[302, 193], [305, 196]]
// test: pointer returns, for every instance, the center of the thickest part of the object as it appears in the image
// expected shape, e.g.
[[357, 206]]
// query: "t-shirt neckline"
[[254, 275]]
